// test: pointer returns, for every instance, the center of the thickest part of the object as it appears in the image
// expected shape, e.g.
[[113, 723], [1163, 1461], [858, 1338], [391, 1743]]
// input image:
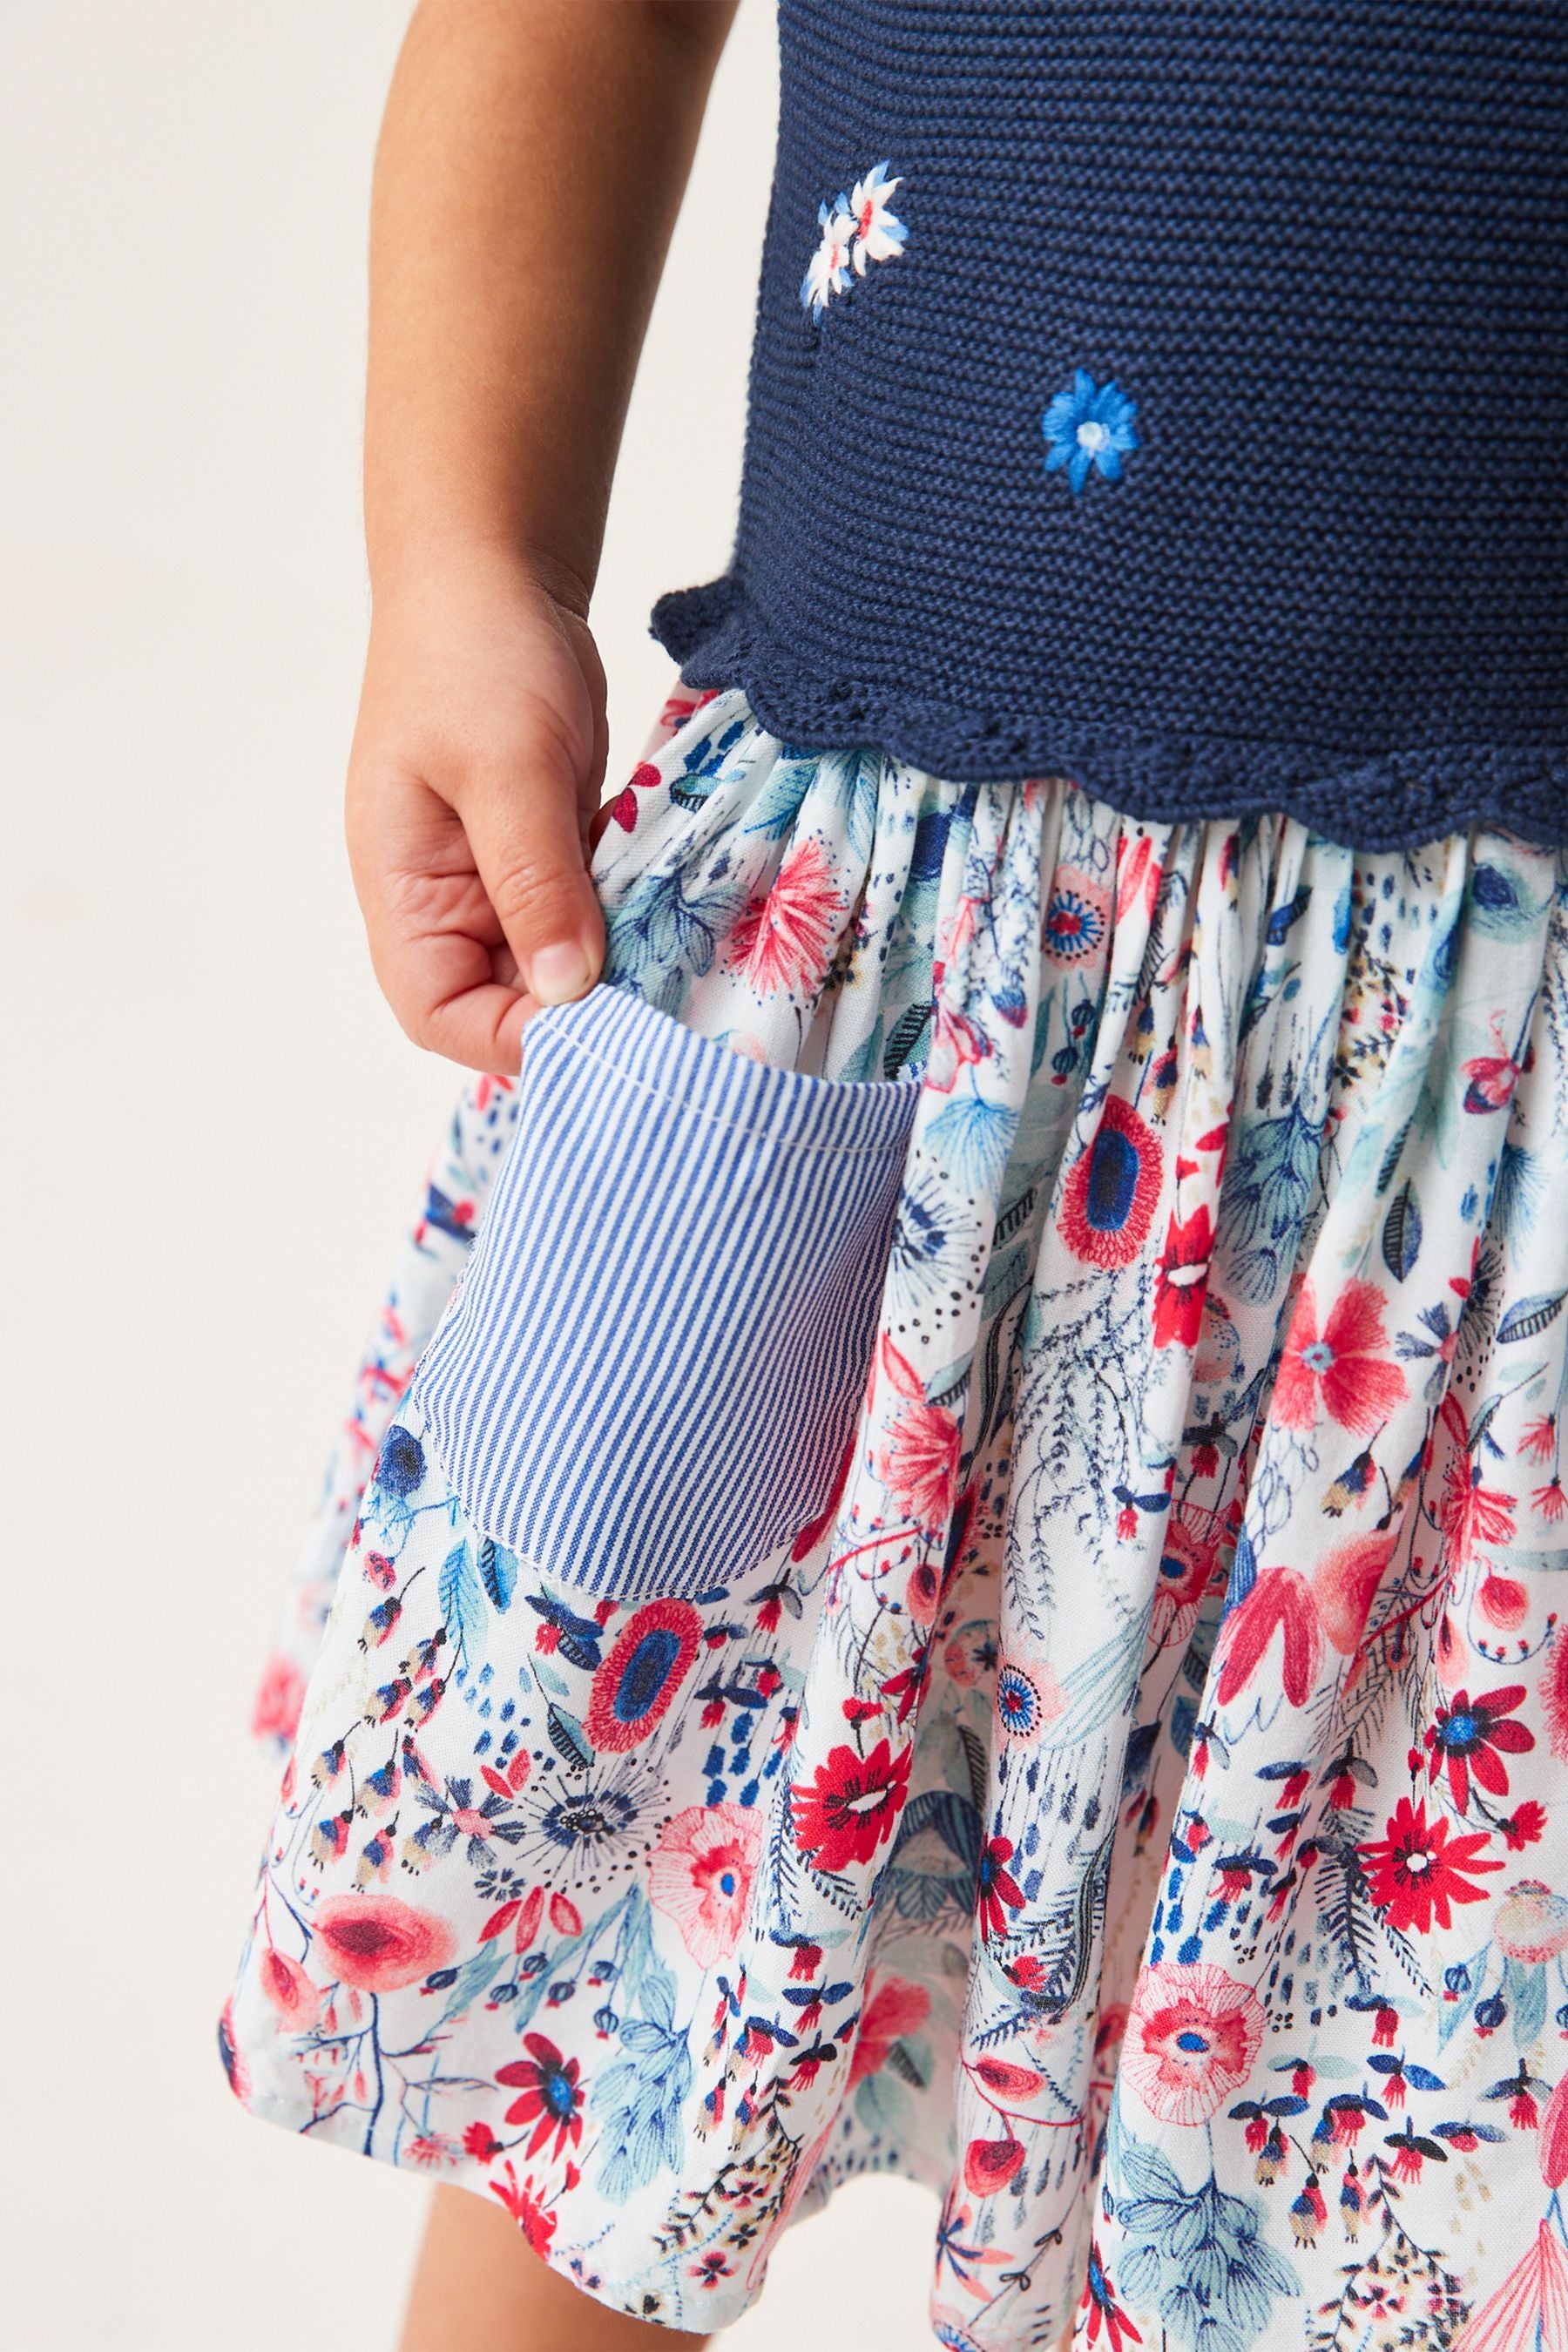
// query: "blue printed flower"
[[1088, 428]]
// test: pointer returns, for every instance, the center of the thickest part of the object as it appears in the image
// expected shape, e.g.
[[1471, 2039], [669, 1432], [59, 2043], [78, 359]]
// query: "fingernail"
[[557, 973]]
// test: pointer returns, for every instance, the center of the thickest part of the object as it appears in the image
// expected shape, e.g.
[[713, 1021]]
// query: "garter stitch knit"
[[1171, 395]]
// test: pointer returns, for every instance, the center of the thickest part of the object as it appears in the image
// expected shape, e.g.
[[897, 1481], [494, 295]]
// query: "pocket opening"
[[664, 1333]]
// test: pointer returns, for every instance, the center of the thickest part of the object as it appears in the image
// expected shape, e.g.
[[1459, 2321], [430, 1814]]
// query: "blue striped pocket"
[[647, 1378]]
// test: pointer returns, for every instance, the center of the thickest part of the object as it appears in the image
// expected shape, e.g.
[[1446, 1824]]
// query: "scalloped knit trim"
[[1389, 800]]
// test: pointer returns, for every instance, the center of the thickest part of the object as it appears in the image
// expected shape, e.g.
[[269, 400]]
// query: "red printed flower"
[[651, 1657], [1191, 2036], [1181, 1280], [1106, 2317], [623, 807], [527, 2210], [851, 1807], [1113, 1189], [1343, 1370], [997, 1891], [1471, 1736], [786, 939], [1279, 1598], [1475, 1517], [377, 1943], [1524, 1825], [896, 2008], [551, 2099], [1416, 1870]]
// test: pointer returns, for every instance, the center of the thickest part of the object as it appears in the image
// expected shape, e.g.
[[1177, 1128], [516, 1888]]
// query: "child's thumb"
[[525, 833]]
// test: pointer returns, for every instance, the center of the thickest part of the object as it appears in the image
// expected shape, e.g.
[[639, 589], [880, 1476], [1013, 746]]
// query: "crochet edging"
[[1387, 800]]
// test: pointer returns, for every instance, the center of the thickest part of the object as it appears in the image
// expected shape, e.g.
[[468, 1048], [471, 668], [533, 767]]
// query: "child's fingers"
[[526, 830]]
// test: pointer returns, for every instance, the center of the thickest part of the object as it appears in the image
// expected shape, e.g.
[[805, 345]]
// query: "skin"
[[530, 163], [478, 2288]]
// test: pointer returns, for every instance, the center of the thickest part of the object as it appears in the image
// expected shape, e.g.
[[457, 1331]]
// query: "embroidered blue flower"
[[1088, 428], [855, 228]]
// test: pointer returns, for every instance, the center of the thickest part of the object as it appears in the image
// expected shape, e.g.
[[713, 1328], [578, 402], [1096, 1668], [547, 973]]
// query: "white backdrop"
[[213, 1126]]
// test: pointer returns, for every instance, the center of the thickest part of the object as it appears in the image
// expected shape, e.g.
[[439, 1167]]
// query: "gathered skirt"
[[945, 1562]]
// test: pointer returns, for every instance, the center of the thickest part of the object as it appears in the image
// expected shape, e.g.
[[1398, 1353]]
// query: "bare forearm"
[[531, 165]]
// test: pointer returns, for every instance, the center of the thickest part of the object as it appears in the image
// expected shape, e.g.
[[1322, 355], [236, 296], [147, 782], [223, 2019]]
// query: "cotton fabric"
[[1131, 1803]]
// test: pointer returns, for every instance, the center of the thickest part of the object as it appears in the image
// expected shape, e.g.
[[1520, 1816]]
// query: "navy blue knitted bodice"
[[1171, 395]]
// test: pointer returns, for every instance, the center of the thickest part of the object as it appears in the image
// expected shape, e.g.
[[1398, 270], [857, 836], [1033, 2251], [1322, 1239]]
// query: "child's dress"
[[959, 1555]]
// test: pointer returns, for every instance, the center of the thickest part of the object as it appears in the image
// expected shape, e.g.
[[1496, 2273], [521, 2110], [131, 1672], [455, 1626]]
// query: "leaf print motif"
[[1402, 1233], [1196, 2257], [1531, 1316], [463, 1600], [1170, 1692]]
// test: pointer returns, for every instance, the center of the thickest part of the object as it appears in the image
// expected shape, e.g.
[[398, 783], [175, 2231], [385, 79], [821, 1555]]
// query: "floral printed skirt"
[[946, 1562]]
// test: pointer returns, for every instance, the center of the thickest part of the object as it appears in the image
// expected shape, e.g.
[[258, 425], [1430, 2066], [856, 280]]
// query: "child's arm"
[[530, 163]]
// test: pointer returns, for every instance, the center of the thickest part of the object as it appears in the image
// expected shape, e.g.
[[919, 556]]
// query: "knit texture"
[[1320, 256]]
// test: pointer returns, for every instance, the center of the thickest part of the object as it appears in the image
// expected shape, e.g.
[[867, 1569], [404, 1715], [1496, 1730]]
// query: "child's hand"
[[476, 767], [531, 161]]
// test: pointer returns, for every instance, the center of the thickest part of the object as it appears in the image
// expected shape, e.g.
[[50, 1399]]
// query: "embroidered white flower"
[[828, 272], [855, 228], [880, 234]]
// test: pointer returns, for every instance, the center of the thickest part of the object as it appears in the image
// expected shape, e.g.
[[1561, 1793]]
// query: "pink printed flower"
[[1186, 1564], [895, 2008], [276, 1714], [623, 807], [1137, 872], [917, 1460], [1553, 1692], [1345, 1584], [378, 1943], [1503, 1602], [956, 1043], [786, 940], [1513, 2319], [288, 1987], [1191, 2035], [1524, 1826], [701, 1873], [1344, 1370]]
